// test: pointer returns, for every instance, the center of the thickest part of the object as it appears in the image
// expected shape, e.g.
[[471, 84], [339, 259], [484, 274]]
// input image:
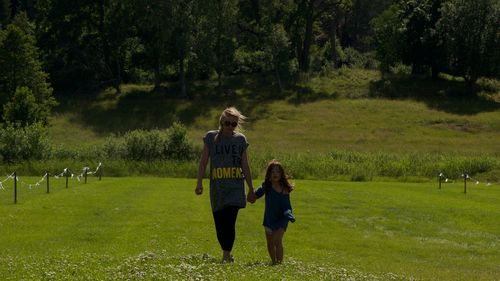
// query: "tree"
[[303, 24], [221, 27], [276, 48], [471, 36], [355, 26], [83, 41], [4, 13], [185, 14], [406, 32], [418, 20], [21, 68], [154, 28], [388, 37], [22, 108]]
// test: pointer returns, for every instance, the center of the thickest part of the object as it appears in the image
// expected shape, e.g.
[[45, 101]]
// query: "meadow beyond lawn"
[[144, 228]]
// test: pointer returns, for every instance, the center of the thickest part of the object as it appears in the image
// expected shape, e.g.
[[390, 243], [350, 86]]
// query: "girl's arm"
[[248, 177], [201, 170], [259, 192]]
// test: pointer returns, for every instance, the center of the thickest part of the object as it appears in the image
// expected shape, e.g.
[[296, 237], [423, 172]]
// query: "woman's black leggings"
[[225, 223]]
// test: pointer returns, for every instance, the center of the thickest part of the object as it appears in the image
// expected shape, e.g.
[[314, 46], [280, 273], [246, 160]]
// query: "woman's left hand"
[[251, 197]]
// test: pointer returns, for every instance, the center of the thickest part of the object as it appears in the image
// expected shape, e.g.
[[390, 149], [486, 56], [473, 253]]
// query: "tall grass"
[[336, 165]]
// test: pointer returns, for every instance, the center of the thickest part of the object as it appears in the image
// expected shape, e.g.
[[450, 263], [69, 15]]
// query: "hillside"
[[337, 112], [351, 124]]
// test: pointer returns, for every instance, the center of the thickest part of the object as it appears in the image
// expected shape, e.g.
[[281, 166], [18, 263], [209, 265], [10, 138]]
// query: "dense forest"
[[82, 45]]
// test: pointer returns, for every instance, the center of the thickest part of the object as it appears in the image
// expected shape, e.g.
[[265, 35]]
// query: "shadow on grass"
[[144, 108], [140, 107], [440, 94]]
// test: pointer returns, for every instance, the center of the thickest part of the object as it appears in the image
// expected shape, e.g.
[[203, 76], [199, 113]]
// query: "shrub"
[[178, 146], [24, 143], [152, 145], [353, 58], [144, 145], [22, 108]]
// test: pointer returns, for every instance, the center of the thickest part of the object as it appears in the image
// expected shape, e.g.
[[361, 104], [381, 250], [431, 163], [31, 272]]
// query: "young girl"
[[278, 210]]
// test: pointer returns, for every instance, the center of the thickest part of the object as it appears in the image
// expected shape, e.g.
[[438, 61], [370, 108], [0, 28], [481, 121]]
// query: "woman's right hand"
[[199, 189]]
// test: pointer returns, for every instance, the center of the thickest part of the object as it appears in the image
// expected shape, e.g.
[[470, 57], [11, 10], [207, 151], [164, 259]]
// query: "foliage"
[[22, 108], [24, 143], [21, 68], [470, 32], [151, 145], [420, 38], [388, 38], [459, 37], [277, 50], [4, 13]]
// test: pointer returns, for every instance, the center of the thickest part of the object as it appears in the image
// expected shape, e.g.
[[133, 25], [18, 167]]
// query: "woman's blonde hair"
[[232, 111]]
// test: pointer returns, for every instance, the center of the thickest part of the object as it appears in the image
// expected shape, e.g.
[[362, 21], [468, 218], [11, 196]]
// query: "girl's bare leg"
[[270, 247], [278, 244]]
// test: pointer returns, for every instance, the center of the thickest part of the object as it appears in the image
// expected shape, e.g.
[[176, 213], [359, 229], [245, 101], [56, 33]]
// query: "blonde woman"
[[227, 150]]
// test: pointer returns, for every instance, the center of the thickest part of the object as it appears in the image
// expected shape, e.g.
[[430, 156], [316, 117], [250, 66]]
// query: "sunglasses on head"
[[228, 123]]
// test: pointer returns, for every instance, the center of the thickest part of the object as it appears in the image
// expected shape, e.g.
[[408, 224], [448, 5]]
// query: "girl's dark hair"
[[284, 180]]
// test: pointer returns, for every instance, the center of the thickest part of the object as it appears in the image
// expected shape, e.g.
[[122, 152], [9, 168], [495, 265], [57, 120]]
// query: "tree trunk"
[[470, 81], [14, 8], [278, 79], [104, 42], [306, 46], [434, 71], [118, 79], [157, 75], [256, 10], [182, 74], [219, 82], [333, 41]]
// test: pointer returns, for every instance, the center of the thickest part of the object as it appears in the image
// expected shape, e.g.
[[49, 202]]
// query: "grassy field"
[[351, 124], [156, 228], [343, 111]]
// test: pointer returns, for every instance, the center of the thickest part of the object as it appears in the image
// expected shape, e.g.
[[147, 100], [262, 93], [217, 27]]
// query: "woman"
[[226, 148]]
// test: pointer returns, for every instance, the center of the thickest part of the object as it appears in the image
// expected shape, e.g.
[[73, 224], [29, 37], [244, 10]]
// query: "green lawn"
[[156, 228]]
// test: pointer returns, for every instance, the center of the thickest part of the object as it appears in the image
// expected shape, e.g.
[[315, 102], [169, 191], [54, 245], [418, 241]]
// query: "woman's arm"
[[248, 177], [201, 170]]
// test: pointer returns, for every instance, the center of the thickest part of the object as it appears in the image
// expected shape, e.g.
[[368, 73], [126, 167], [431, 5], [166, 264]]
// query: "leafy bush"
[[249, 61], [142, 145], [24, 143], [353, 58], [401, 69], [178, 146], [22, 108]]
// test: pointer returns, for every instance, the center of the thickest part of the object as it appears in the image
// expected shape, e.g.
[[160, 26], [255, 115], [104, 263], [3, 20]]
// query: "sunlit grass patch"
[[143, 228], [159, 265]]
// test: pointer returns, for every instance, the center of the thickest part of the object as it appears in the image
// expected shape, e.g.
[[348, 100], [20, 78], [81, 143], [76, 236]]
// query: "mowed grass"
[[156, 228]]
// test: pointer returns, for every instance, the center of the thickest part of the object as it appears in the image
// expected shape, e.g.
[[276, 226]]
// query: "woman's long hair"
[[284, 180]]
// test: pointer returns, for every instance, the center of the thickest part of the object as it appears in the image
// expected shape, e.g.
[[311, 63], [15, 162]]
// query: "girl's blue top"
[[276, 205]]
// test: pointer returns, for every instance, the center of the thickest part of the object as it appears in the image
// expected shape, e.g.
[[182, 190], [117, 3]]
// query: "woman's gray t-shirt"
[[227, 187]]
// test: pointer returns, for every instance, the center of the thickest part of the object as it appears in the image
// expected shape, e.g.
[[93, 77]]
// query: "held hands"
[[199, 189], [251, 197]]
